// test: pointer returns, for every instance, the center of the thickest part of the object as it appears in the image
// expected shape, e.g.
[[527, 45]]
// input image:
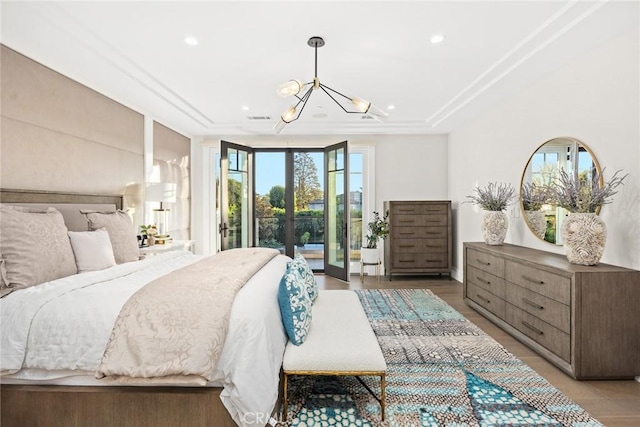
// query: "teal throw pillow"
[[307, 275], [295, 304]]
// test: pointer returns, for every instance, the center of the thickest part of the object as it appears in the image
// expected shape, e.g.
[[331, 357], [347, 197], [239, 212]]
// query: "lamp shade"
[[161, 192]]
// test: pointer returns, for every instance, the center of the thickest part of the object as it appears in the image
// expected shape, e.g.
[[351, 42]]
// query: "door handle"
[[223, 229]]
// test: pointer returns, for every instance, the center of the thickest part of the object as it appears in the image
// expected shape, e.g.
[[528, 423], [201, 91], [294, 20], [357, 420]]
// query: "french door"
[[299, 204], [236, 196], [337, 206]]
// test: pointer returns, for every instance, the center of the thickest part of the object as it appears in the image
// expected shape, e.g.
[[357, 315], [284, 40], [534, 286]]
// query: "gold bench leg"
[[383, 394], [285, 403]]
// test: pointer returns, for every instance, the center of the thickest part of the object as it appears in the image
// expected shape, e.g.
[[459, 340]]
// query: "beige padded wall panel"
[[59, 135], [171, 157], [34, 158], [170, 146], [33, 93]]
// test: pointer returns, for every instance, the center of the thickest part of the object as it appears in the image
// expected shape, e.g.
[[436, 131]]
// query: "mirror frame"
[[560, 213]]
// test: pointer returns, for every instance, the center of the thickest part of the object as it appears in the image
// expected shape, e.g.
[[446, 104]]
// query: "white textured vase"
[[494, 227], [537, 222], [584, 236]]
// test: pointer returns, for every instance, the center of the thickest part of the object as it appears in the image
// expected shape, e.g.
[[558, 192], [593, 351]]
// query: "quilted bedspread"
[[174, 328]]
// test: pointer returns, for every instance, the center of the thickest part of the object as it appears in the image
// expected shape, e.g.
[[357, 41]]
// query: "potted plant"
[[584, 234], [533, 196], [378, 228], [494, 199]]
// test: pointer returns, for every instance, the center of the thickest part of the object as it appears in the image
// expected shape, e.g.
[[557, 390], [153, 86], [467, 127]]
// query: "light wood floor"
[[613, 403]]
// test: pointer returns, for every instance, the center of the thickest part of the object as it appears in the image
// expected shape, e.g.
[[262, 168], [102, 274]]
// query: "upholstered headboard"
[[69, 204]]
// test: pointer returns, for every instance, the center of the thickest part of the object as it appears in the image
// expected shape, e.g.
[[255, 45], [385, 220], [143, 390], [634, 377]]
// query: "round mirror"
[[544, 219]]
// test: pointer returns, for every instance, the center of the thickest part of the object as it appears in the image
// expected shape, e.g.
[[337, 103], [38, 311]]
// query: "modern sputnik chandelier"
[[296, 87]]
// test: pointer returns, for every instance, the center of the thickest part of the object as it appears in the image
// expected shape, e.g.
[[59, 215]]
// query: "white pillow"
[[121, 232], [92, 249]]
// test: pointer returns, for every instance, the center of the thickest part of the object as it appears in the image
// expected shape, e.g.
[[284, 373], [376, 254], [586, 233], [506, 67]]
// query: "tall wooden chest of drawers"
[[419, 238], [583, 319]]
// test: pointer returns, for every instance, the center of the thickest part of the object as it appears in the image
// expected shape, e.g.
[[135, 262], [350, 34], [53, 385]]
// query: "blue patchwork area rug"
[[442, 371]]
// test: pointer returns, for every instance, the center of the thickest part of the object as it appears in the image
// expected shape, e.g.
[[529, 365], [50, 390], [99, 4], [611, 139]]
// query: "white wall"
[[595, 99]]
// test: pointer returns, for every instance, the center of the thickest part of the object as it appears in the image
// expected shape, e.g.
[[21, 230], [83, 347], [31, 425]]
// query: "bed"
[[54, 337]]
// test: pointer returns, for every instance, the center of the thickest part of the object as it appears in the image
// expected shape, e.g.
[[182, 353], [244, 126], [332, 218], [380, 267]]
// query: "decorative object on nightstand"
[[163, 192], [533, 196], [583, 232], [494, 199], [148, 232]]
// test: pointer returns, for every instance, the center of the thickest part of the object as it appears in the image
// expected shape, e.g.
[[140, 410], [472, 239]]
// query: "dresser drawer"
[[420, 232], [545, 309], [419, 209], [485, 262], [404, 246], [420, 260], [541, 332], [404, 220], [543, 282], [486, 299], [487, 281]]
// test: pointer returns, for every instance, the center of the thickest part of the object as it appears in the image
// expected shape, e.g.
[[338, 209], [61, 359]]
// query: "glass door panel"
[[308, 198], [337, 206], [270, 199], [235, 191]]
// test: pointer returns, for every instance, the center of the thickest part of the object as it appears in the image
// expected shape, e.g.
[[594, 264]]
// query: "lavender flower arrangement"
[[581, 195], [533, 196], [493, 197]]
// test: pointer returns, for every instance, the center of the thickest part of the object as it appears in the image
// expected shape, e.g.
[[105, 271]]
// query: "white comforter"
[[61, 328]]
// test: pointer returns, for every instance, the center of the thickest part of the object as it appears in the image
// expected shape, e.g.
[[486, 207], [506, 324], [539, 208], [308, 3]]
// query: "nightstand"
[[176, 245]]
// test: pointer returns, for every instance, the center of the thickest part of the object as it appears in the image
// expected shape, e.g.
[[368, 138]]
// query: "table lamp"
[[163, 192]]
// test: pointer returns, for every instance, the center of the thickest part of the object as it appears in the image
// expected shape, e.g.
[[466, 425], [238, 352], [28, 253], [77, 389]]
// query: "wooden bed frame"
[[81, 406]]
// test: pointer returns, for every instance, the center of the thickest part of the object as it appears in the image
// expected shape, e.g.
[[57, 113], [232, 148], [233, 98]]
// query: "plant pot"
[[369, 255], [494, 227], [537, 222], [584, 236]]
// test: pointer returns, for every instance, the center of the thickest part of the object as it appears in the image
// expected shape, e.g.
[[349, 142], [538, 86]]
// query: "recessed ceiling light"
[[437, 38], [391, 107], [245, 108], [191, 41]]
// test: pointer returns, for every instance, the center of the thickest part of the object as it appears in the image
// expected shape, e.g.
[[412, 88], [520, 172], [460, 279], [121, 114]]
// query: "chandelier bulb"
[[288, 115], [290, 88], [361, 105]]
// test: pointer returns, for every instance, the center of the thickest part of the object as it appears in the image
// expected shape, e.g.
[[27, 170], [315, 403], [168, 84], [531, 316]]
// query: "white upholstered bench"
[[340, 342]]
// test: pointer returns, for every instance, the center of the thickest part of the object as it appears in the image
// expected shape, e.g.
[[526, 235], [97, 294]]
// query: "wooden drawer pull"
[[432, 246], [406, 220], [407, 232], [407, 246], [406, 210], [536, 330], [532, 304], [532, 280], [432, 260], [488, 282], [432, 232], [406, 260], [483, 298], [483, 262]]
